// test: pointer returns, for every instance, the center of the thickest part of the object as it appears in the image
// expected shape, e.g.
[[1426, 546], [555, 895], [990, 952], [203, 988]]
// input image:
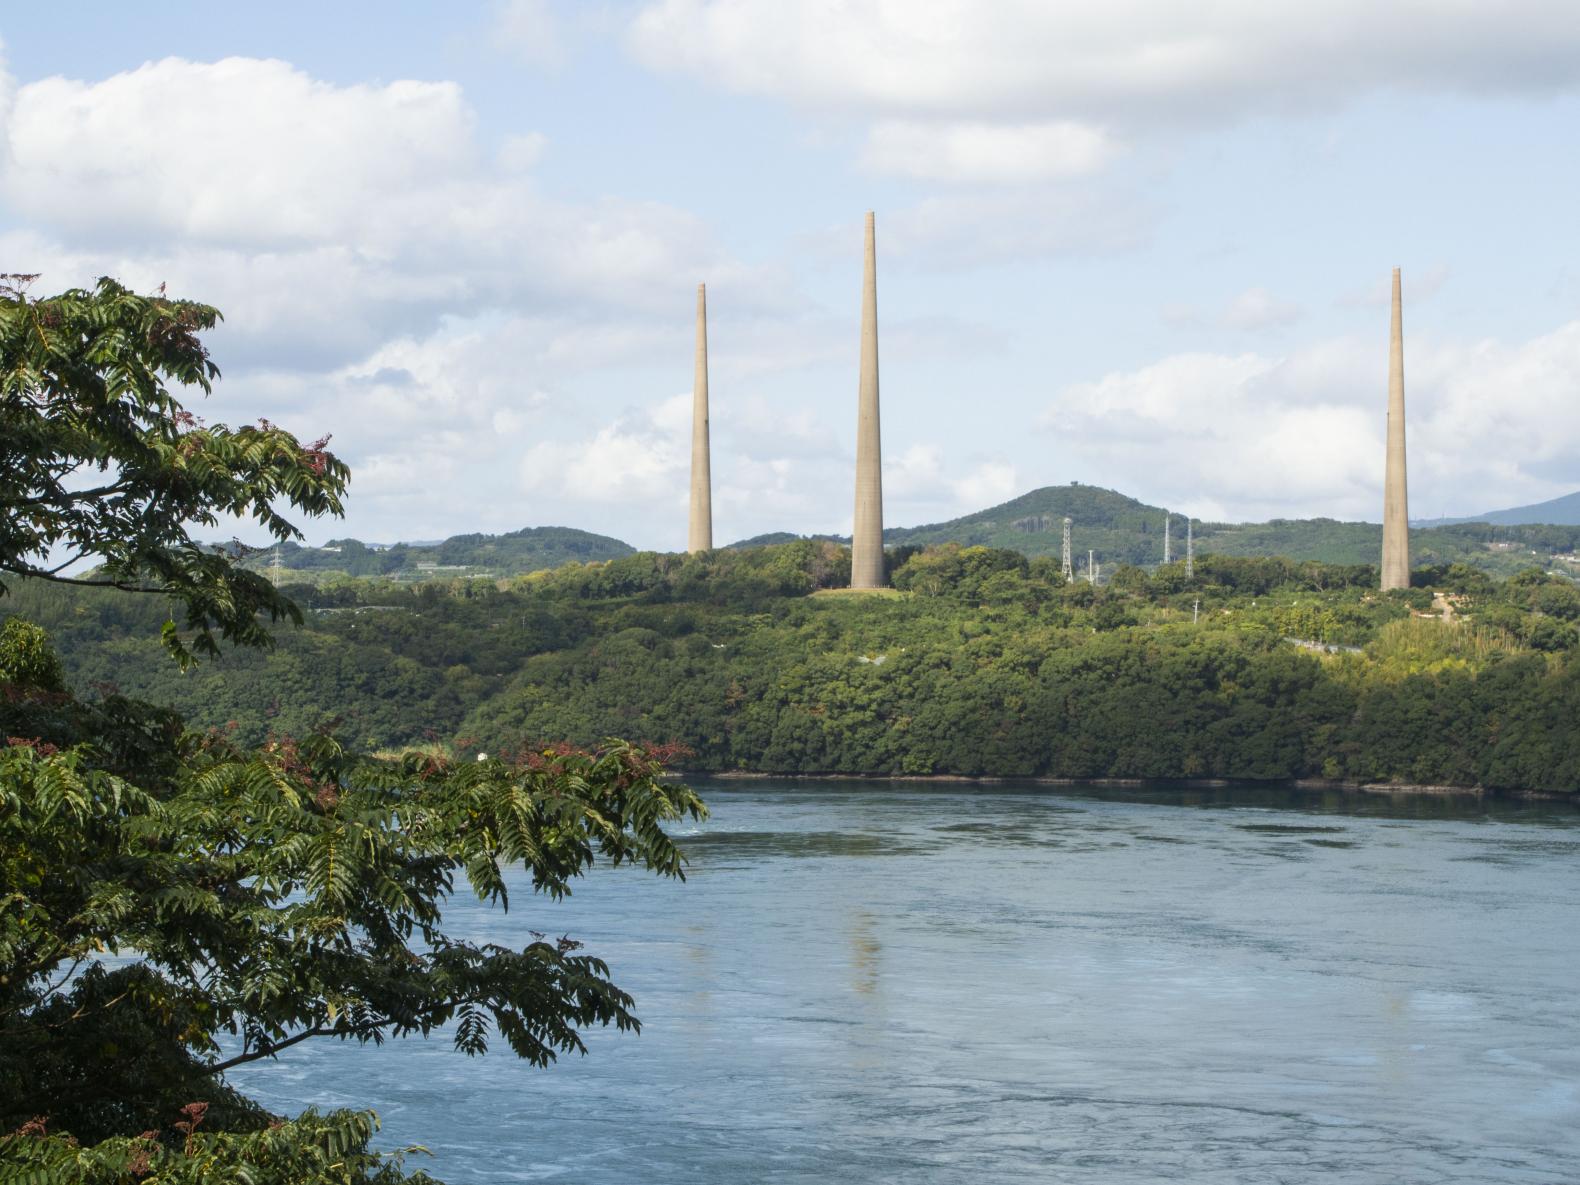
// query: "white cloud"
[[918, 484], [975, 150], [990, 483], [1242, 431], [915, 473], [324, 219], [237, 151], [1028, 91], [1302, 435], [1136, 60], [640, 457]]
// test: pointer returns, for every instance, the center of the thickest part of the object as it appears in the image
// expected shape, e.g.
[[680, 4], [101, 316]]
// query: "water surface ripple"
[[1010, 984]]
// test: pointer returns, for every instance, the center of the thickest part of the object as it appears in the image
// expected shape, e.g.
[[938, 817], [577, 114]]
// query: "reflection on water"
[[1014, 983], [864, 951]]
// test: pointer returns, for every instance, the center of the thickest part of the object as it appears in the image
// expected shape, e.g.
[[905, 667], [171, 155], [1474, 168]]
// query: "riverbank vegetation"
[[985, 663]]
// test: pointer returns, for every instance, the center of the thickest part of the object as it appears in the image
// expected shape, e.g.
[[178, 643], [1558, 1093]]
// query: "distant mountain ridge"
[[1114, 527], [1119, 529], [1564, 511], [531, 549]]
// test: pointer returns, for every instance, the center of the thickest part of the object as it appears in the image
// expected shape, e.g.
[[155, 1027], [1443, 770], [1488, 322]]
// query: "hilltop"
[[532, 549], [1120, 529]]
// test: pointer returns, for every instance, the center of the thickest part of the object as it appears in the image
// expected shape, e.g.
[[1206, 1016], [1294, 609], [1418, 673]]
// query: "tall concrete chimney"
[[1396, 506], [866, 543], [700, 537]]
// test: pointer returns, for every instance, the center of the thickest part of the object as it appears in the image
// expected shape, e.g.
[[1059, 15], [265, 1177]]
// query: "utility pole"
[[1091, 570]]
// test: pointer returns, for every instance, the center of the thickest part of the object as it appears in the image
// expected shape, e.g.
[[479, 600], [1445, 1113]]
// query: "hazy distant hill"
[[529, 550], [1563, 511], [1120, 529]]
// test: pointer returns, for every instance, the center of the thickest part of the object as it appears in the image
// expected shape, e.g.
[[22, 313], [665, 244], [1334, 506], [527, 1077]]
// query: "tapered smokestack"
[[700, 537], [866, 543], [1396, 505]]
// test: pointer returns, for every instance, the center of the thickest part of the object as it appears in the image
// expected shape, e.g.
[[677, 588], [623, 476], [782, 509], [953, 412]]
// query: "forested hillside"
[[981, 662]]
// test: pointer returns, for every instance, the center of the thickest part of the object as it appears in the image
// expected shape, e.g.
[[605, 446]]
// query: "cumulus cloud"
[[1136, 60], [239, 151], [323, 218], [772, 469], [920, 484], [988, 484], [639, 457], [385, 277], [914, 472], [1021, 90], [1257, 436]]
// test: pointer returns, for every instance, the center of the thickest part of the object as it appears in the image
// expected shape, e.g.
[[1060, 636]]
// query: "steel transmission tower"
[[1190, 551], [1067, 555], [1166, 556]]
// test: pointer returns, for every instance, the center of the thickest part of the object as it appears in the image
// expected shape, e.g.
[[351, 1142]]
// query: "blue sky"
[[1133, 243]]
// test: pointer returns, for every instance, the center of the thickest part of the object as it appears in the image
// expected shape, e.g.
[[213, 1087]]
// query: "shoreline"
[[1313, 785]]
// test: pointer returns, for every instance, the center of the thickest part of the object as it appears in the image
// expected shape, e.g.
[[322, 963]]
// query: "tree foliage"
[[263, 898], [177, 903], [101, 462]]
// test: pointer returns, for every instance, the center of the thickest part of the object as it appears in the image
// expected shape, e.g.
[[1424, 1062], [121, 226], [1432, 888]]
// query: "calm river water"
[[1002, 984]]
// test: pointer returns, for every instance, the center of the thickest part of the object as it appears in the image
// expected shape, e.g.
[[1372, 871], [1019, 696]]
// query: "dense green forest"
[[980, 662]]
